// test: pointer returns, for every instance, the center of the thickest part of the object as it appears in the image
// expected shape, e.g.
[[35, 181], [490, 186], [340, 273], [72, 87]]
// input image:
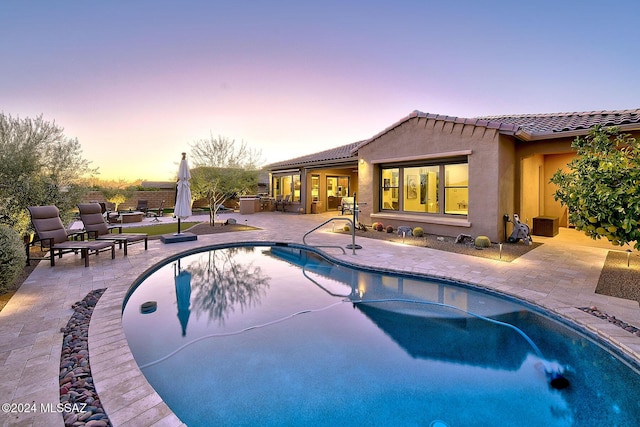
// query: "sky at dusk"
[[138, 82]]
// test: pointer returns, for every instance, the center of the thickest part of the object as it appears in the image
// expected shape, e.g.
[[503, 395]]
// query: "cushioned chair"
[[52, 235], [97, 228], [347, 205], [283, 203], [143, 206]]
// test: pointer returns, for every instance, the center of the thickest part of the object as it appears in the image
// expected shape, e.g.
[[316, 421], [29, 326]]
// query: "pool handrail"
[[353, 235]]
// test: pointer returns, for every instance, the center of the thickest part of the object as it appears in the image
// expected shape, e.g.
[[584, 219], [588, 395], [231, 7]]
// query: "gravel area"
[[619, 280], [509, 252]]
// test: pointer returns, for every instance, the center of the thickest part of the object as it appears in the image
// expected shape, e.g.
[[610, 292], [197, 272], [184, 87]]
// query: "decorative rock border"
[[611, 319], [78, 395]]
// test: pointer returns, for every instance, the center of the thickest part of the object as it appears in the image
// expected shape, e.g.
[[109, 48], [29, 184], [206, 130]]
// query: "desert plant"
[[346, 228], [379, 226], [418, 232], [482, 242], [12, 257], [389, 229]]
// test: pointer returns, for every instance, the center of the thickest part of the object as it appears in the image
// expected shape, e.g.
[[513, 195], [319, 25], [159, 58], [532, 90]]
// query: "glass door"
[[337, 188]]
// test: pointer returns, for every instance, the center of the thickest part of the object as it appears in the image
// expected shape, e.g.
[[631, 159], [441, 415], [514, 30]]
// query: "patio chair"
[[156, 214], [347, 205], [98, 229], [283, 202], [143, 206], [51, 234]]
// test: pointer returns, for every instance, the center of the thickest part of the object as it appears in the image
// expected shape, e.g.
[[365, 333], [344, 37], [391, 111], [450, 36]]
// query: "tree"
[[222, 171], [223, 152], [117, 192], [40, 166], [602, 186]]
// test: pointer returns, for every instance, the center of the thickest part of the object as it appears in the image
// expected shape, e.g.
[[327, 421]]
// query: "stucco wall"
[[552, 163], [490, 174]]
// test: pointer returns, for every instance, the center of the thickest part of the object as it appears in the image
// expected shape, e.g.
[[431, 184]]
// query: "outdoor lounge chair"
[[51, 234], [97, 228]]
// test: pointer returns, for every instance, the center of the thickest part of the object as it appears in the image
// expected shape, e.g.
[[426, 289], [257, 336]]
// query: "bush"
[[379, 226], [346, 228], [418, 232], [482, 242], [12, 257], [389, 229]]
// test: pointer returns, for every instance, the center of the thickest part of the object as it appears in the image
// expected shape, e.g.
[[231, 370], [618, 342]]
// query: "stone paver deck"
[[560, 275]]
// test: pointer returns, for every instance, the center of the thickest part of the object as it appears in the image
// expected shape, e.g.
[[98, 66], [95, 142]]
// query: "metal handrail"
[[353, 234]]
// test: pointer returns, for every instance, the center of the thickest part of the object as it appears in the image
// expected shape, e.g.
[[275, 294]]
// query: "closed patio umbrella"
[[183, 192]]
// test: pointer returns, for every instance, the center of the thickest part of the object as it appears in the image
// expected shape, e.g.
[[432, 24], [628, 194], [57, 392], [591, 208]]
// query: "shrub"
[[12, 257], [482, 242], [379, 226], [346, 228], [418, 232], [389, 229]]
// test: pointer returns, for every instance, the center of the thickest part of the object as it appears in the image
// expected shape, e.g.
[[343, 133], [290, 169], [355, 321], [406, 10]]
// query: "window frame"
[[294, 183], [441, 163]]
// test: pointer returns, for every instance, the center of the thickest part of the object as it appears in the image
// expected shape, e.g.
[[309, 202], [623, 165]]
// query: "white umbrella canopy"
[[183, 192]]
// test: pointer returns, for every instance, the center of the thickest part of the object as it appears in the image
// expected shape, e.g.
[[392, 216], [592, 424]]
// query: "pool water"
[[279, 336]]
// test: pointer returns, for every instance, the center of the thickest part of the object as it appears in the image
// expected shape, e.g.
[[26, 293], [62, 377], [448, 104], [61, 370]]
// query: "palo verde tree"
[[601, 188], [39, 166], [222, 170]]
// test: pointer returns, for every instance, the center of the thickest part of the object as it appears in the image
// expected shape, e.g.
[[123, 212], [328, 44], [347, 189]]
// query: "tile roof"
[[550, 124], [332, 155], [533, 126]]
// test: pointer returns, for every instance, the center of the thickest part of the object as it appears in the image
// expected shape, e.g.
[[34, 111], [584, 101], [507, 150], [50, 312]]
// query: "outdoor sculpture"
[[520, 231]]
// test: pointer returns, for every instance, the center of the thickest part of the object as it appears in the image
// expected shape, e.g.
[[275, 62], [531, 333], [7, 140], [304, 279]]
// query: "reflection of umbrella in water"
[[183, 297], [183, 192]]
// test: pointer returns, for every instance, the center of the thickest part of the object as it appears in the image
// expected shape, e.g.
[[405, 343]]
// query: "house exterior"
[[448, 175], [316, 182]]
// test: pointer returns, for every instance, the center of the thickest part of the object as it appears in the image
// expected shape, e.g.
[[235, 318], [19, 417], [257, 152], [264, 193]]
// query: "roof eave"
[[315, 165], [540, 136]]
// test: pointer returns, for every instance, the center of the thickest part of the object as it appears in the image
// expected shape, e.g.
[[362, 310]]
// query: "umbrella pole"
[[178, 225]]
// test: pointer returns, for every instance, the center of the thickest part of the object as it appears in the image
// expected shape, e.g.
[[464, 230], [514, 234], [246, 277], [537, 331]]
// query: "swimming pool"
[[278, 335]]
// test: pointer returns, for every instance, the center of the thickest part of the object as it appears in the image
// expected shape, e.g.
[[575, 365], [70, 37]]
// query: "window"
[[315, 188], [389, 198], [421, 184], [456, 189], [423, 190], [287, 185]]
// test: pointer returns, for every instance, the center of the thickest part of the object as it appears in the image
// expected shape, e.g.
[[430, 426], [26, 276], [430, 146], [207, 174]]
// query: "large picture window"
[[423, 190]]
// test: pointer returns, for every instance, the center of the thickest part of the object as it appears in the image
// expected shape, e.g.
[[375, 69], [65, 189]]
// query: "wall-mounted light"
[[362, 161]]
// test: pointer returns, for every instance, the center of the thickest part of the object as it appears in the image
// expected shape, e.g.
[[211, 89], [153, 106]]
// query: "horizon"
[[138, 83]]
